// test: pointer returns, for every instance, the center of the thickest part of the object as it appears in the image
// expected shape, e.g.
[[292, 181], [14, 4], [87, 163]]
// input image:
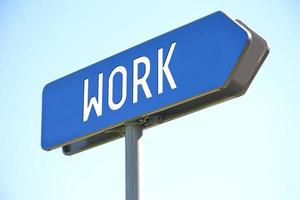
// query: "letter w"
[[97, 104]]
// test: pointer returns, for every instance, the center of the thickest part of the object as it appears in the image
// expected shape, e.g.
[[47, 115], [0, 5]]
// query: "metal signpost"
[[133, 132], [205, 62]]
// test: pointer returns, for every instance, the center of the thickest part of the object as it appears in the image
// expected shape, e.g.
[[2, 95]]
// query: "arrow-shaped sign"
[[199, 64]]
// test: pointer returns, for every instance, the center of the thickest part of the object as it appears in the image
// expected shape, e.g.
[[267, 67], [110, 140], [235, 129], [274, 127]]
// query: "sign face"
[[168, 76]]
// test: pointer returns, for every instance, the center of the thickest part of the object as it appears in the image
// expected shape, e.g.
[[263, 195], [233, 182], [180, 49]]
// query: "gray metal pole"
[[133, 132]]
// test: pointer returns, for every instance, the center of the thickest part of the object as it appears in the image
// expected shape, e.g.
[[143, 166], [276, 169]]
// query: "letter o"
[[111, 103]]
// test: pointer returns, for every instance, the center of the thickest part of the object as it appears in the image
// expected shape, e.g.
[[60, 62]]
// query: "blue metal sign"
[[185, 65]]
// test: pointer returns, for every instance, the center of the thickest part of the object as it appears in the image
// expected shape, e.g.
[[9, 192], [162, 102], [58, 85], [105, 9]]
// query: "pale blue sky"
[[246, 148]]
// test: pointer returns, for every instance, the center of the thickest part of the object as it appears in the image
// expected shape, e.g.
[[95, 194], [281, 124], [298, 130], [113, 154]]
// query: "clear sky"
[[246, 148]]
